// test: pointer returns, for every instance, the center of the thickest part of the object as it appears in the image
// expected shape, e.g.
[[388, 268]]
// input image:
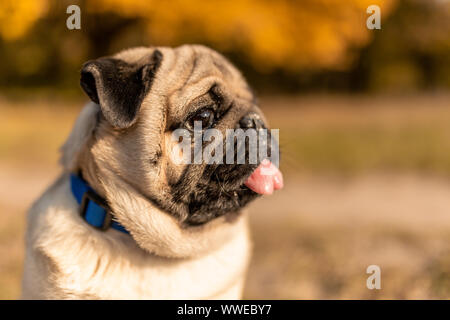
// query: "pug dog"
[[123, 220]]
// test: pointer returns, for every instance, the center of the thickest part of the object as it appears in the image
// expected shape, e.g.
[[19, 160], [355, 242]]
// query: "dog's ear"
[[119, 87]]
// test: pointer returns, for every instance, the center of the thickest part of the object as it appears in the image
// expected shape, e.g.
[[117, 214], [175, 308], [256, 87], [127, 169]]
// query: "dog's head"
[[140, 97]]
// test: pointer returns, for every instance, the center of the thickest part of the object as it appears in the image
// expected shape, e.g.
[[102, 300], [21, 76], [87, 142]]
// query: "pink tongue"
[[265, 178]]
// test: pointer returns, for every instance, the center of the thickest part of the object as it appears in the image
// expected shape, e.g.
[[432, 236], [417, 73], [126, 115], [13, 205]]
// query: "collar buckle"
[[88, 196]]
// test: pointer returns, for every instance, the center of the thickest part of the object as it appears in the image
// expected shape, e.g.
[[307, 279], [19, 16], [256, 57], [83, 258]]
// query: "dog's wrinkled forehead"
[[186, 64], [189, 71]]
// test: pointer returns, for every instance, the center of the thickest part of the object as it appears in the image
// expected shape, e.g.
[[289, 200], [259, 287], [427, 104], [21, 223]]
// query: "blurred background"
[[363, 116]]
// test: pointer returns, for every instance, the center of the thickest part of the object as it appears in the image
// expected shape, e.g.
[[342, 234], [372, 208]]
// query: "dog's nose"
[[251, 120]]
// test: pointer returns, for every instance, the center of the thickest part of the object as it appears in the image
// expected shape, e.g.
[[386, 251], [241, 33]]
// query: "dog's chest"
[[90, 275], [219, 274]]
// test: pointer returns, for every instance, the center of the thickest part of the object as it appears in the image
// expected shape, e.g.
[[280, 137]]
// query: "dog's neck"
[[153, 229]]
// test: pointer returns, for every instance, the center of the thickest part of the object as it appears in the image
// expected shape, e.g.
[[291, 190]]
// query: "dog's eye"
[[205, 117]]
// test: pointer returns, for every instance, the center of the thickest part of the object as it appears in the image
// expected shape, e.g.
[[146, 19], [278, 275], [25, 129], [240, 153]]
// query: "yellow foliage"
[[17, 16], [269, 34], [285, 34]]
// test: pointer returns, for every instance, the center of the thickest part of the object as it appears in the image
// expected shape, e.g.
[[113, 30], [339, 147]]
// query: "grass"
[[363, 134], [353, 150], [33, 132]]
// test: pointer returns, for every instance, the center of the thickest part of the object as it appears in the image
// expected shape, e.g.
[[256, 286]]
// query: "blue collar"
[[93, 209]]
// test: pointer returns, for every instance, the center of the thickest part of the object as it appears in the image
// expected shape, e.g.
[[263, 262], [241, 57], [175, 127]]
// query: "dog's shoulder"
[[42, 237], [64, 255], [55, 204]]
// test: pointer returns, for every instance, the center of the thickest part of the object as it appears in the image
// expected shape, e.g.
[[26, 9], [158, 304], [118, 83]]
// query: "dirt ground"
[[315, 239]]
